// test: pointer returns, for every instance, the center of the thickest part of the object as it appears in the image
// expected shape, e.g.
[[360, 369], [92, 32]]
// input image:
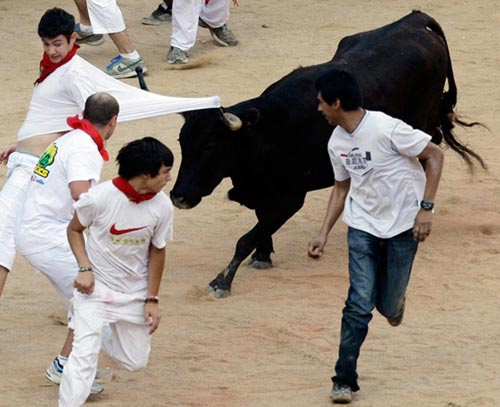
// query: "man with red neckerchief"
[[129, 221], [58, 93], [65, 170]]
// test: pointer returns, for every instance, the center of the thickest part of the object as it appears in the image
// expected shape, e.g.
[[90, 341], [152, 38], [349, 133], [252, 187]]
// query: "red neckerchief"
[[123, 185], [83, 124], [47, 66]]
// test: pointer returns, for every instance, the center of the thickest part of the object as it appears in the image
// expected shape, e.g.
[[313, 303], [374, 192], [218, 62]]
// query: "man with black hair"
[[66, 169], [129, 221], [387, 201], [60, 91]]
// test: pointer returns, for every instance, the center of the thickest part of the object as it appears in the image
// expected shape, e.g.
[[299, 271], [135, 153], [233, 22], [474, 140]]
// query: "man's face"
[[157, 183], [58, 47], [330, 112]]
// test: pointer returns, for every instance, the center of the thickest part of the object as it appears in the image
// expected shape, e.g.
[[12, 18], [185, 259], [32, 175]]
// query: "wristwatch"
[[427, 205]]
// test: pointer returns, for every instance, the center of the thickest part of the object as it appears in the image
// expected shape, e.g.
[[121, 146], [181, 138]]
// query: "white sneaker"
[[54, 373]]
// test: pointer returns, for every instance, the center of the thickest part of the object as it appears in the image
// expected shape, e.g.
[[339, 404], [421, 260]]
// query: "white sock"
[[62, 360], [134, 55], [164, 6], [87, 29]]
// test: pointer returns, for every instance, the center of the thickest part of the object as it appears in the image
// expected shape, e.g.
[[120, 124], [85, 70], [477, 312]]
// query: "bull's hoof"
[[220, 293], [259, 264], [209, 290]]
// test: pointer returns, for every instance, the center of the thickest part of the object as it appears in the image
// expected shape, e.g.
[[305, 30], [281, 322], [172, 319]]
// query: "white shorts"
[[127, 341], [185, 16], [19, 169], [59, 265], [105, 16]]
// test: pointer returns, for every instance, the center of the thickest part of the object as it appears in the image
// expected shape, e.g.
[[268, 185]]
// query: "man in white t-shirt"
[[65, 170], [129, 222], [387, 201]]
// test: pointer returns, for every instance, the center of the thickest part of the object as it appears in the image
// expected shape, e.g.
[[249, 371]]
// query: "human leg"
[[19, 169], [394, 277], [215, 13], [106, 18], [83, 29], [161, 15], [185, 23], [364, 258], [129, 344], [214, 16], [59, 265], [81, 368]]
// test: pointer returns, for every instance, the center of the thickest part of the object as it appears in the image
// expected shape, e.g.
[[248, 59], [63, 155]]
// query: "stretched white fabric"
[[63, 93]]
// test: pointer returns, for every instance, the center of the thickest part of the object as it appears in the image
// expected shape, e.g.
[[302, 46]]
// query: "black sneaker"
[[161, 15], [341, 394]]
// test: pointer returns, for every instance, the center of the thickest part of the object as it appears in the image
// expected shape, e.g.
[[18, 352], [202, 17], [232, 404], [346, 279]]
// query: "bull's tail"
[[447, 116]]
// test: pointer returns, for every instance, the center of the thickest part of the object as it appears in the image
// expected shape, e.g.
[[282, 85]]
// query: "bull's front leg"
[[270, 219], [221, 285]]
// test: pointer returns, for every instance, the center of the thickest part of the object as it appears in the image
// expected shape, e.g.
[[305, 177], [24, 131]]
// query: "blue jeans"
[[379, 272]]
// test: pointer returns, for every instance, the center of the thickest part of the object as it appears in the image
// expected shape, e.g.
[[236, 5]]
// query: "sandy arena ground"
[[273, 343]]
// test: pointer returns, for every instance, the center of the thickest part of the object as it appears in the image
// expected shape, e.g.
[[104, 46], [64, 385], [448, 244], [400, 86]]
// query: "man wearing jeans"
[[386, 199]]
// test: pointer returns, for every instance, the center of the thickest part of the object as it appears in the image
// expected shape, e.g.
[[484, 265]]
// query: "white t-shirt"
[[64, 92], [387, 180], [48, 206], [120, 234]]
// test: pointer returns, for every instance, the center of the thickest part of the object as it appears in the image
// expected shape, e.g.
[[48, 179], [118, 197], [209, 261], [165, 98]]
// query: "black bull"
[[273, 147]]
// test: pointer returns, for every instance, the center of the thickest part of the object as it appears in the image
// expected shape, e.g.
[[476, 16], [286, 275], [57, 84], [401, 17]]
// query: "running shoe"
[[121, 67]]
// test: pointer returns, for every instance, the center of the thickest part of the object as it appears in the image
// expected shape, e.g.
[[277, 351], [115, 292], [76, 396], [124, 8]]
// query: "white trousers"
[[19, 170], [105, 16], [185, 15], [127, 341]]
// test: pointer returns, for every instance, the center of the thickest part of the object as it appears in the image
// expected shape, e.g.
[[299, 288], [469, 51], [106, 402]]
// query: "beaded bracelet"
[[154, 300]]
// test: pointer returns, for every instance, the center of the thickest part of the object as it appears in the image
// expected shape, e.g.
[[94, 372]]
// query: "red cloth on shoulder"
[[47, 66], [123, 185], [83, 124]]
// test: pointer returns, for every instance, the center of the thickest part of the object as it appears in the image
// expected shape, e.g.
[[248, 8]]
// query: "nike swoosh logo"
[[114, 231], [125, 68]]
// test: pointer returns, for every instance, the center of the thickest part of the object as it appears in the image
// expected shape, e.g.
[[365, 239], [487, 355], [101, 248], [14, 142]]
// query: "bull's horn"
[[232, 121]]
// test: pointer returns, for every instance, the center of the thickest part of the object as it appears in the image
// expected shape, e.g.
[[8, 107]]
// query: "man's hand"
[[84, 282], [423, 225], [316, 246], [4, 154], [152, 315]]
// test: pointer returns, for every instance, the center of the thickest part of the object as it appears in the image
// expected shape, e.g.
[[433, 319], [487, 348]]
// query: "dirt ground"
[[274, 341]]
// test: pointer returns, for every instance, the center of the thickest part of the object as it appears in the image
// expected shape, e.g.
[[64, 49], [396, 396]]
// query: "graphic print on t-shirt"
[[46, 160], [115, 233], [357, 161]]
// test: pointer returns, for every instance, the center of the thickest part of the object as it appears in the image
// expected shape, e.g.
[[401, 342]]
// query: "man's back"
[[48, 205]]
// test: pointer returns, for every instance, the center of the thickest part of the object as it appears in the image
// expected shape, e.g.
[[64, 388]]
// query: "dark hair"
[[144, 156], [100, 108], [336, 84], [55, 22]]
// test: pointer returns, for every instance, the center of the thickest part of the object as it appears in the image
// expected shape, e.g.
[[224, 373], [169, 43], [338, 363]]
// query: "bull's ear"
[[250, 117]]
